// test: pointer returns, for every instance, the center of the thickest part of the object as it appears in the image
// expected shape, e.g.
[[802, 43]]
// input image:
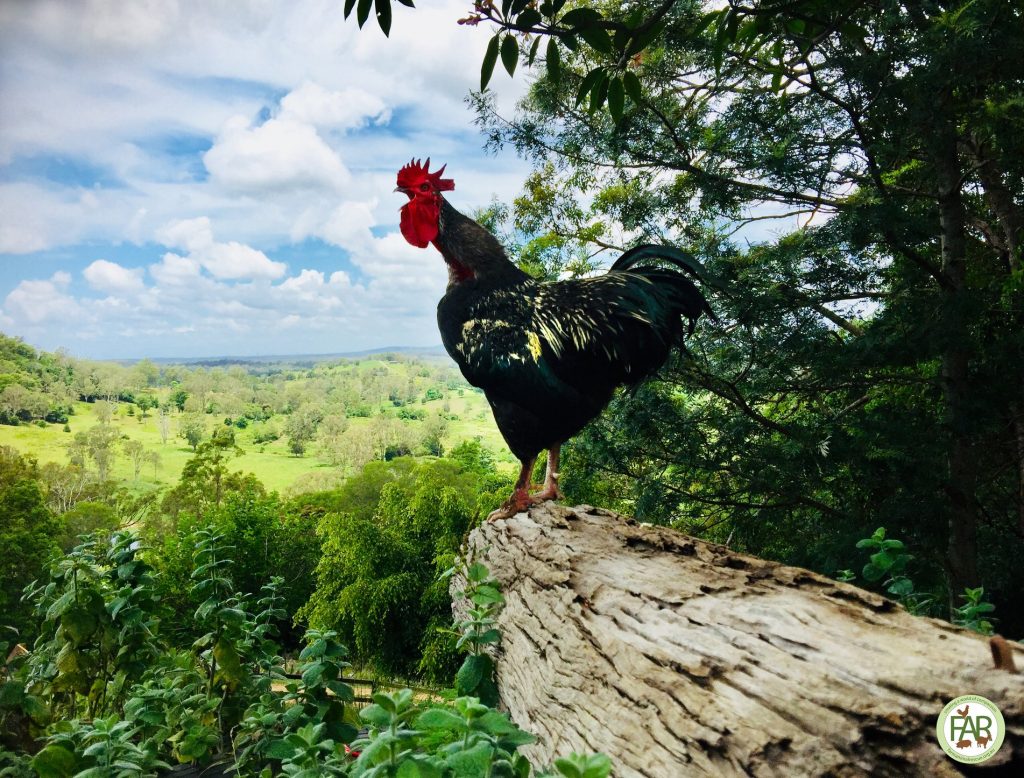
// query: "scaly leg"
[[520, 499], [550, 489]]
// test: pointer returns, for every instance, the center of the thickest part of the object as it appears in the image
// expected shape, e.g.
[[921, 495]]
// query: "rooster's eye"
[[424, 186]]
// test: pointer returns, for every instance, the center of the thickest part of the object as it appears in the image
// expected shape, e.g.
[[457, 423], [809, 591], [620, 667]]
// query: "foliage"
[[151, 705], [868, 368], [388, 533], [478, 634], [972, 614], [27, 525]]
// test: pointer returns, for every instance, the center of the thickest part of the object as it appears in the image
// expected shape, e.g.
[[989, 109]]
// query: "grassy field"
[[270, 462]]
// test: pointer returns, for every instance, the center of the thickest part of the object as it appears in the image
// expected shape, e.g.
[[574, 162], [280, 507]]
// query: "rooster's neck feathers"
[[472, 253]]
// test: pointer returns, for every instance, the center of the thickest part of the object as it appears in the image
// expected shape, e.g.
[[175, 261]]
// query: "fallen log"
[[678, 657]]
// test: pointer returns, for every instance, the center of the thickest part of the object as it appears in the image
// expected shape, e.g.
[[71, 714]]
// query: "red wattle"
[[419, 222]]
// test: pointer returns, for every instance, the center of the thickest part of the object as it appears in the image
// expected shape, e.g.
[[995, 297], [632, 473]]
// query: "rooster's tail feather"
[[689, 298]]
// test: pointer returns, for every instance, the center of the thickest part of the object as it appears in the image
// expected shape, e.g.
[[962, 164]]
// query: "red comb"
[[416, 172]]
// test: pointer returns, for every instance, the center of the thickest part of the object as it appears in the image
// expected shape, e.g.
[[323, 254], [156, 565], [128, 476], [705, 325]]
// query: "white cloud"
[[226, 131], [112, 278], [278, 154], [35, 302], [232, 260], [345, 109]]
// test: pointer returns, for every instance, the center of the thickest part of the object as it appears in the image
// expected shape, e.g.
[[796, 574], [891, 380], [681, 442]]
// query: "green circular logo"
[[970, 729]]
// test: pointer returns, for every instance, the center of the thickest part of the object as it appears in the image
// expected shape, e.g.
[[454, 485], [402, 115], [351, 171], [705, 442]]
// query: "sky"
[[195, 178]]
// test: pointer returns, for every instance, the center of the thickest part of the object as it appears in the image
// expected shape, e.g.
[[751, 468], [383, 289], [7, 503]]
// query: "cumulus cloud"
[[279, 154], [344, 109], [36, 302], [225, 132], [112, 278], [231, 260]]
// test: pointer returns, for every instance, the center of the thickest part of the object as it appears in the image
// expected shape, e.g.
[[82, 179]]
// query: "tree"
[[871, 363], [28, 532], [192, 427], [163, 422], [205, 479], [300, 428], [386, 535], [99, 444], [136, 453]]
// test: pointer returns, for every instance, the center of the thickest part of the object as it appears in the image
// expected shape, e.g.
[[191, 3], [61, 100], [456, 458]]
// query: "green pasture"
[[272, 463]]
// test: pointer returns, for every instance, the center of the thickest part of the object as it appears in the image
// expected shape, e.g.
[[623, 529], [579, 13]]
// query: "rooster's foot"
[[518, 502], [545, 495]]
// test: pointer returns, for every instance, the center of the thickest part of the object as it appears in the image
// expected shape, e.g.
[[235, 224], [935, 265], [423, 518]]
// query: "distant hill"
[[423, 352]]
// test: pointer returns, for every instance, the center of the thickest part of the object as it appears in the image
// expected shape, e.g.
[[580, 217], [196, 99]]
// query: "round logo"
[[970, 729]]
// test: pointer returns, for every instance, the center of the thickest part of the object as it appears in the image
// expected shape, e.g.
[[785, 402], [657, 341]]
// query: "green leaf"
[[472, 671], [229, 665], [579, 16], [54, 761], [510, 53], [363, 12], [616, 99], [872, 573], [589, 81], [487, 69], [600, 93], [384, 16], [490, 636], [528, 18], [474, 761], [554, 63], [633, 87], [349, 5], [533, 51], [598, 39], [376, 715], [279, 749], [477, 572], [438, 718]]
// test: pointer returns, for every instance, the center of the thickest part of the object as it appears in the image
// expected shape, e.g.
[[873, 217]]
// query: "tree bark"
[[961, 485], [678, 657]]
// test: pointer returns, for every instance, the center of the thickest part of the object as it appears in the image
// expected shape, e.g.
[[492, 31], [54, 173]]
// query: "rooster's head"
[[419, 222]]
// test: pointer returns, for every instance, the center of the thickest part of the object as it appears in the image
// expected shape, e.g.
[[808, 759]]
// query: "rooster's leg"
[[550, 489], [520, 499]]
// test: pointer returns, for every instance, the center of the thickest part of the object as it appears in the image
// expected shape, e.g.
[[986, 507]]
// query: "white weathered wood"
[[678, 657]]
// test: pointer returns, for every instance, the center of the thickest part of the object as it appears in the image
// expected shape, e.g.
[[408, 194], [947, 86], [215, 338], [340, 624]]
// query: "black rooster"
[[547, 355]]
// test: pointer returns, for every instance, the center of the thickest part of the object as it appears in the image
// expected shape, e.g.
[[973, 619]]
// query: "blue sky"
[[188, 178]]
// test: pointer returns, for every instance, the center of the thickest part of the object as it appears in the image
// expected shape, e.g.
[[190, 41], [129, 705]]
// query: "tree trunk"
[[961, 486], [678, 657]]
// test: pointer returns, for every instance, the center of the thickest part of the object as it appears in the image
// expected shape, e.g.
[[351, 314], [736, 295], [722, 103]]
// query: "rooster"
[[548, 356]]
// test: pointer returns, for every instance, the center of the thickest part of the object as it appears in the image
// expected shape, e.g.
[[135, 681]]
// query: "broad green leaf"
[[54, 761], [473, 669], [533, 51], [384, 16], [487, 67], [632, 86], [589, 81], [528, 18], [597, 38], [438, 718], [616, 99], [510, 53], [376, 715], [554, 64], [599, 93], [363, 11], [579, 16], [477, 572]]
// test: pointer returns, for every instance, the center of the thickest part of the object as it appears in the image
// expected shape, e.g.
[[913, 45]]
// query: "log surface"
[[677, 657]]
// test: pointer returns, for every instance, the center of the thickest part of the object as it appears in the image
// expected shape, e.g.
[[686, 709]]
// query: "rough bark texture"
[[678, 657]]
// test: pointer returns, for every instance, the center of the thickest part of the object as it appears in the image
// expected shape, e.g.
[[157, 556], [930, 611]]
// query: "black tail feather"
[[692, 302]]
